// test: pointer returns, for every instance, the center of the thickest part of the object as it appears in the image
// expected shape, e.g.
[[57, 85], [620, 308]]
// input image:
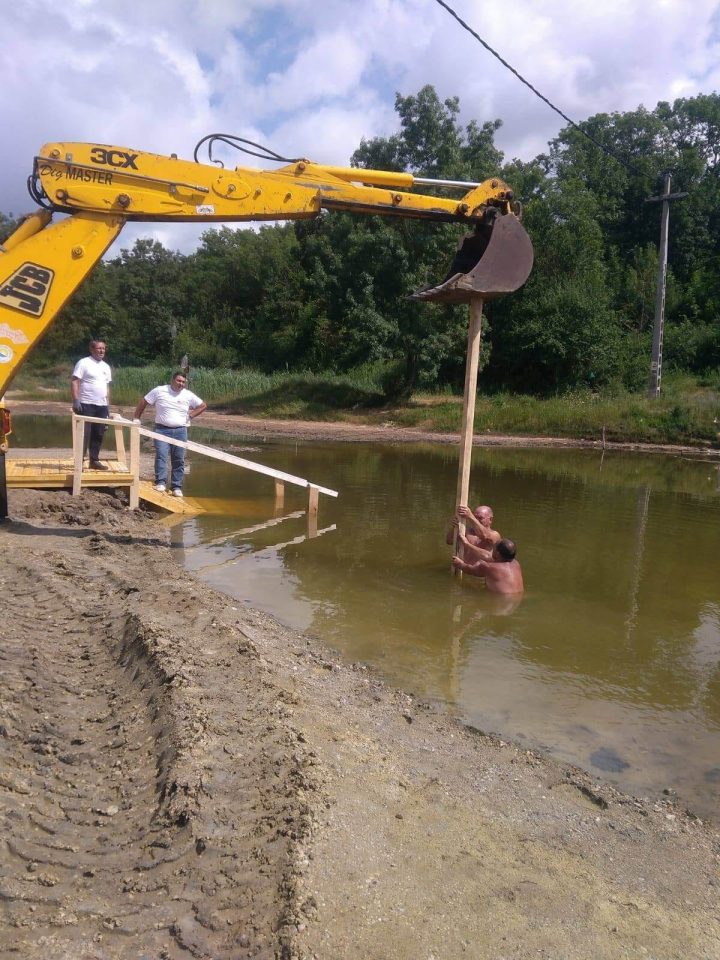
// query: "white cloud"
[[313, 79], [330, 67]]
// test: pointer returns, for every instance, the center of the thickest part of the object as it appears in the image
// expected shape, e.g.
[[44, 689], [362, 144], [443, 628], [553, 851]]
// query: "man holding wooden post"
[[505, 261], [480, 524]]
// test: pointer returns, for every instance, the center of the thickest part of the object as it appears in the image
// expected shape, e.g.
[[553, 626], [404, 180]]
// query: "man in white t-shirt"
[[175, 406], [90, 389]]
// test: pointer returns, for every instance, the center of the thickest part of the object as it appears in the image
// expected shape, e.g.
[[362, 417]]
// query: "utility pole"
[[659, 323]]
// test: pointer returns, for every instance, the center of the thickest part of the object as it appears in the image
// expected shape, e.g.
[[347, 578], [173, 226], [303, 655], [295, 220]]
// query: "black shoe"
[[98, 465]]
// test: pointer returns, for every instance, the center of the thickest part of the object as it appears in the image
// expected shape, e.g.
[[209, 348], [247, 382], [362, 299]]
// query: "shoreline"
[[318, 430], [184, 776]]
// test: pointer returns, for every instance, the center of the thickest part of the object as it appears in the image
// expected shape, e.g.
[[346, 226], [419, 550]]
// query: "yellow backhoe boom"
[[145, 186], [102, 187]]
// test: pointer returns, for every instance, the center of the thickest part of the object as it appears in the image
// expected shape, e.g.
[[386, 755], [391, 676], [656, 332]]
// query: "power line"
[[606, 150]]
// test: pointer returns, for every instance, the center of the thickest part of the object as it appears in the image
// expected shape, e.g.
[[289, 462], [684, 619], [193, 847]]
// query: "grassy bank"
[[688, 411], [682, 414]]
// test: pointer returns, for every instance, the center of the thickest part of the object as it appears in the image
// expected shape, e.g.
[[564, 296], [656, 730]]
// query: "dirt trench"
[[148, 807]]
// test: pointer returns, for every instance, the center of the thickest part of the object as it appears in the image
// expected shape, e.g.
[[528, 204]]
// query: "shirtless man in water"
[[501, 570], [478, 526]]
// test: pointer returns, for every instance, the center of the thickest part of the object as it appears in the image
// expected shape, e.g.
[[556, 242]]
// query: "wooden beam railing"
[[278, 475], [133, 464]]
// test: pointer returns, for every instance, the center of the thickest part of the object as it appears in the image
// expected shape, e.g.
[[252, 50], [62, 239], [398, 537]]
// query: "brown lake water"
[[611, 660]]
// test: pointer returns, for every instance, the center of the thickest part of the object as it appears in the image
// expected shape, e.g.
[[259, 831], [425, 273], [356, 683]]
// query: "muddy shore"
[[389, 432], [183, 776]]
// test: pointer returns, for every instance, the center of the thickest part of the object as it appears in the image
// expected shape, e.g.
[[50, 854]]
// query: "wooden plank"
[[236, 461], [278, 475], [60, 472], [78, 440], [120, 444], [134, 494], [166, 501], [468, 419], [53, 473]]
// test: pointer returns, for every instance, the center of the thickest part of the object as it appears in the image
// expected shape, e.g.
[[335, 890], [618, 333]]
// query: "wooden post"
[[120, 445], [3, 488], [279, 495], [134, 492], [468, 420], [313, 494], [78, 429], [312, 500]]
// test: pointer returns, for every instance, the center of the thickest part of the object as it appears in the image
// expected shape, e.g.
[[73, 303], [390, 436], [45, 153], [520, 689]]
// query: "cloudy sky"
[[312, 79]]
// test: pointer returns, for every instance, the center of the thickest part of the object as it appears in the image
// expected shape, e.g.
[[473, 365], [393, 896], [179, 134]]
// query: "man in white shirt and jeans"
[[175, 406], [90, 389]]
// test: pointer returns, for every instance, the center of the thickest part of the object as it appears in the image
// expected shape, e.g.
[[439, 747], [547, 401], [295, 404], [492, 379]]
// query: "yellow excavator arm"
[[144, 186], [103, 187]]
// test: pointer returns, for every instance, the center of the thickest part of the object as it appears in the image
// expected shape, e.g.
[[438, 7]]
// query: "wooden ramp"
[[166, 501]]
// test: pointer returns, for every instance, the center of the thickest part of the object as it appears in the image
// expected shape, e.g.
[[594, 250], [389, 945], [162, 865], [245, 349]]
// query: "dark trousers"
[[94, 432]]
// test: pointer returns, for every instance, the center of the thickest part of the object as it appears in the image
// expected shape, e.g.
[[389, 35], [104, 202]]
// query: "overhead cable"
[[606, 150]]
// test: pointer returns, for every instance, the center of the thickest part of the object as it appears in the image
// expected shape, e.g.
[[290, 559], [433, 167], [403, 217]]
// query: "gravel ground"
[[183, 776]]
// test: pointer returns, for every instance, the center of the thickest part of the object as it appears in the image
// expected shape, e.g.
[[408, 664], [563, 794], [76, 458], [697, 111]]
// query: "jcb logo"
[[27, 289], [113, 158]]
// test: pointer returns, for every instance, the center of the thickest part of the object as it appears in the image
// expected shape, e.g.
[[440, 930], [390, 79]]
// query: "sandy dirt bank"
[[387, 433], [181, 776]]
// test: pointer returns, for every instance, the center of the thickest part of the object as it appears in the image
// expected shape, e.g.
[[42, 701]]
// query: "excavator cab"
[[495, 259]]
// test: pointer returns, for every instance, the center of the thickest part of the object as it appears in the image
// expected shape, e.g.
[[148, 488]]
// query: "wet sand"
[[183, 776]]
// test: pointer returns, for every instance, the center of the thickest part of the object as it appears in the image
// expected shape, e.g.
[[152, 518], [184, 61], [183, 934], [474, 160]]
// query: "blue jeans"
[[177, 456]]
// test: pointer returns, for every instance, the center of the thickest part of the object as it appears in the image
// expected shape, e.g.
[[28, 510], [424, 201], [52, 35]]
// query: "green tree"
[[243, 295], [560, 331], [92, 312], [151, 294], [431, 143]]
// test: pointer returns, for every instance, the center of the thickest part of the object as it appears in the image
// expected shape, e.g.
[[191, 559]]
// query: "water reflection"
[[612, 658]]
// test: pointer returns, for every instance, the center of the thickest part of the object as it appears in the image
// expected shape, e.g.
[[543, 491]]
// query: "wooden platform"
[[56, 473], [56, 469]]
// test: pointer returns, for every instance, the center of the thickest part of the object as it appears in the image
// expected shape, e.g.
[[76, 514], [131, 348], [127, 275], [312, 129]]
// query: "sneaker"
[[160, 487], [98, 465], [177, 492]]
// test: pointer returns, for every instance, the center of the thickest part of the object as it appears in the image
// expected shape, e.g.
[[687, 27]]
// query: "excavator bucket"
[[494, 260]]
